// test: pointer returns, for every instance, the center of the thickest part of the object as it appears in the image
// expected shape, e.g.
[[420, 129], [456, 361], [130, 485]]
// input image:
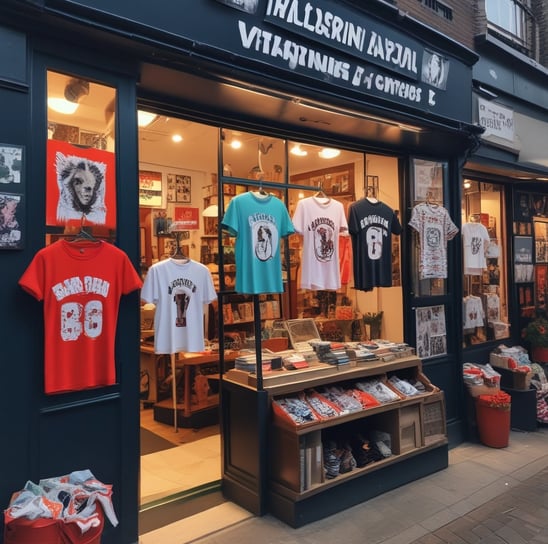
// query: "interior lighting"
[[144, 118], [211, 211], [467, 184], [298, 151], [176, 138], [329, 153], [62, 105], [235, 144]]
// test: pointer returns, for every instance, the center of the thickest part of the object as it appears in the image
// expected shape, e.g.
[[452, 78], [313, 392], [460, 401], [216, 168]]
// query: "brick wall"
[[540, 9], [460, 27]]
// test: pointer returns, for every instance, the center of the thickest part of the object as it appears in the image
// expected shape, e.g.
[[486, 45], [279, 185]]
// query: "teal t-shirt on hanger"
[[258, 222]]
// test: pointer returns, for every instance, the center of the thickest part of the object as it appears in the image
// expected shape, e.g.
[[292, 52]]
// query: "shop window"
[[530, 254], [485, 300], [80, 171], [429, 262]]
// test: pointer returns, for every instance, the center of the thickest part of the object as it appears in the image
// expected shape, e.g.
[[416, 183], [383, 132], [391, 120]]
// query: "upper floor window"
[[510, 18]]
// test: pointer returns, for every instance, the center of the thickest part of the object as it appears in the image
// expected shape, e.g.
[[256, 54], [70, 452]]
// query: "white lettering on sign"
[[298, 55], [356, 38], [295, 54], [496, 119]]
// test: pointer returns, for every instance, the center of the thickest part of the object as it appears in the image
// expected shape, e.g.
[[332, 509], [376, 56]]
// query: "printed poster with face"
[[80, 186]]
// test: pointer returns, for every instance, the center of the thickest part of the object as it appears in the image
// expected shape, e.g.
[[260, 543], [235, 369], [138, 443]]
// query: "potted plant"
[[536, 335]]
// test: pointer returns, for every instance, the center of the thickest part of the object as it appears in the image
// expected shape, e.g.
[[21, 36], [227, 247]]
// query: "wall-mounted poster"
[[189, 218], [541, 286], [428, 181], [11, 164], [523, 249], [81, 185], [179, 188], [540, 230], [151, 193], [11, 223], [431, 331], [539, 205], [522, 207]]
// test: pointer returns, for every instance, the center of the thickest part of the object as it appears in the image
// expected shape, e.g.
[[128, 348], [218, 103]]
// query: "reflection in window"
[[485, 301], [510, 18], [81, 177]]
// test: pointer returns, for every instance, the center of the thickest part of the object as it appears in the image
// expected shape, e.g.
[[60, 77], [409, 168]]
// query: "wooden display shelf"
[[296, 489]]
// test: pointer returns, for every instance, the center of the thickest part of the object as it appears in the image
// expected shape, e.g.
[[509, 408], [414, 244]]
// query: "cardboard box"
[[510, 377]]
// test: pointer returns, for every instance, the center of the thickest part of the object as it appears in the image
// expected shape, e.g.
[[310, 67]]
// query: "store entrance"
[[179, 453], [178, 164]]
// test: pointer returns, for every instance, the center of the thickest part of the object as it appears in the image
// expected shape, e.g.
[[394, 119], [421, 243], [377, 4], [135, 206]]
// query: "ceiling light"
[[61, 105], [467, 184], [298, 151], [177, 138], [329, 153], [235, 144], [211, 211], [144, 118]]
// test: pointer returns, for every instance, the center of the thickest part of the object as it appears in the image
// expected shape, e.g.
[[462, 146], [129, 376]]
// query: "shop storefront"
[[390, 95]]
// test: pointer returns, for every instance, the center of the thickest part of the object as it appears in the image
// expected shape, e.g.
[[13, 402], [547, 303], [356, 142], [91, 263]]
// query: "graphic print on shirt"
[[475, 245], [324, 236], [433, 237], [375, 234], [77, 319], [181, 289], [264, 235]]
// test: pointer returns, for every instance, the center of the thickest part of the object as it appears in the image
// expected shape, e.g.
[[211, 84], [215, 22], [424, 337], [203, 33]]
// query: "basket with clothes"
[[62, 510]]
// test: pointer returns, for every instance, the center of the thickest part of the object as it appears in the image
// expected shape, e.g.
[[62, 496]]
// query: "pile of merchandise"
[[74, 504]]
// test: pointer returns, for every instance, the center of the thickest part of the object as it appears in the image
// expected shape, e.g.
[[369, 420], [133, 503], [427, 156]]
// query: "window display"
[[485, 272]]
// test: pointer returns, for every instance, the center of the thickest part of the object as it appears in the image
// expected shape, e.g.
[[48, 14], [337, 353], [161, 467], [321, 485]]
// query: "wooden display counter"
[[272, 464], [197, 387]]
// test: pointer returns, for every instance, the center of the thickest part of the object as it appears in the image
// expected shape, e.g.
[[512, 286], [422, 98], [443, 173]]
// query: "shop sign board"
[[323, 40], [496, 119]]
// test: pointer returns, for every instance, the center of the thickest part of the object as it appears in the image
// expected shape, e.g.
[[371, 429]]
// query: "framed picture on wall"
[[523, 249], [80, 185], [11, 164], [541, 286], [183, 187], [522, 207], [540, 231], [11, 221], [151, 192], [428, 181]]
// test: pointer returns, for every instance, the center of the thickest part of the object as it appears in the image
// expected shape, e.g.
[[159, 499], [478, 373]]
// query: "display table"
[[197, 376]]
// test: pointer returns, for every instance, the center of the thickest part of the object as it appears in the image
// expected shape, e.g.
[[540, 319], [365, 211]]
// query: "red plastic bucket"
[[493, 422], [50, 531]]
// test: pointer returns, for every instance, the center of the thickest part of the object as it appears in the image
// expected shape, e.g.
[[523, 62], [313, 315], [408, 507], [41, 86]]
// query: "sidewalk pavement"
[[486, 495]]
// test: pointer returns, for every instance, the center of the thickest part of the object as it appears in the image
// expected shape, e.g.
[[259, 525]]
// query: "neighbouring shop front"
[[388, 97]]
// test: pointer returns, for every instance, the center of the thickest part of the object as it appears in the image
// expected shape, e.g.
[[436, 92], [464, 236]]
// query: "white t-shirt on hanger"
[[475, 241], [320, 221], [179, 289]]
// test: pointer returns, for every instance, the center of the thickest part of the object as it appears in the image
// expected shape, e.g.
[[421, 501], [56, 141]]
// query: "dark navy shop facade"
[[363, 72]]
